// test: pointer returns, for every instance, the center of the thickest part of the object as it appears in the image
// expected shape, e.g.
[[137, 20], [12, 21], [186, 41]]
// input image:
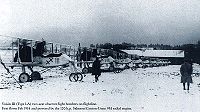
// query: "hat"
[[187, 60], [24, 42]]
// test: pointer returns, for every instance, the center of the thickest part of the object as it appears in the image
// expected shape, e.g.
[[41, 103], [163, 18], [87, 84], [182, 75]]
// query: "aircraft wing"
[[22, 64]]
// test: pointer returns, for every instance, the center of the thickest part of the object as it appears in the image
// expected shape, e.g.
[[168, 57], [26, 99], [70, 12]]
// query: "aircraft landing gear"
[[35, 75], [24, 77], [117, 70], [74, 77], [85, 70]]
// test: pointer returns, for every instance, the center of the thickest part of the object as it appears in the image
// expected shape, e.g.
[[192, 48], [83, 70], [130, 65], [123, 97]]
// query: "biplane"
[[26, 53]]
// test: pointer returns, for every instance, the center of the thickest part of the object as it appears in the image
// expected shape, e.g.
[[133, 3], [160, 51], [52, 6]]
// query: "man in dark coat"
[[96, 69], [40, 48], [24, 54], [186, 72]]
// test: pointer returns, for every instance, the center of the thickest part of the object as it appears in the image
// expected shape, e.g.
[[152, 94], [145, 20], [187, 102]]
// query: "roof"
[[157, 53], [120, 51]]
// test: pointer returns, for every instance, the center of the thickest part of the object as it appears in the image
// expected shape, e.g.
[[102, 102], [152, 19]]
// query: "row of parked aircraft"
[[26, 53]]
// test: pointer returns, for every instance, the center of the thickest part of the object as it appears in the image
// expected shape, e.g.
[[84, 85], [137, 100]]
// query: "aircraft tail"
[[67, 57]]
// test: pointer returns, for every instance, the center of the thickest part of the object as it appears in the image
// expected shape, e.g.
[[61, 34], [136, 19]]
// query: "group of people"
[[26, 53]]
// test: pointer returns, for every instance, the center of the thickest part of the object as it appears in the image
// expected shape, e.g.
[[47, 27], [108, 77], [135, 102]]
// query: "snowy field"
[[155, 89]]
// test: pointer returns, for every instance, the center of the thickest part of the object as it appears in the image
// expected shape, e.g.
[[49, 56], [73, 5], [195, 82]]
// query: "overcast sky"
[[99, 21]]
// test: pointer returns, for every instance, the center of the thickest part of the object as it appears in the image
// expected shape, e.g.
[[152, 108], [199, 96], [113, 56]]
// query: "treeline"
[[192, 51], [130, 46]]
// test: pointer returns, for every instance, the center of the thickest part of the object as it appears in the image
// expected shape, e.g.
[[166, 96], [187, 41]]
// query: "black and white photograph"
[[99, 56]]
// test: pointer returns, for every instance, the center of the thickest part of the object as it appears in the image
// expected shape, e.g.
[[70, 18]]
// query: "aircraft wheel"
[[126, 67], [144, 66], [197, 74], [111, 68], [80, 76], [85, 70], [73, 77], [133, 68], [35, 75], [24, 77], [117, 71]]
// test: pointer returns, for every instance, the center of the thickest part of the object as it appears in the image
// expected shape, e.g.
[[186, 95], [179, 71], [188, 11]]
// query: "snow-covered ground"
[[155, 89]]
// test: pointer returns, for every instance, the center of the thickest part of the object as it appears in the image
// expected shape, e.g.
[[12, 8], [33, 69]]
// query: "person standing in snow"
[[96, 69], [186, 72]]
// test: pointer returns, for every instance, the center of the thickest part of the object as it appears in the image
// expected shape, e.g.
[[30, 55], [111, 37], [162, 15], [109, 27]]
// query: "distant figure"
[[186, 72], [85, 56], [96, 69]]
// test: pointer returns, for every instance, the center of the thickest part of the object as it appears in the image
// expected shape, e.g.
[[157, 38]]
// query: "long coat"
[[186, 72], [40, 49], [24, 54], [96, 68]]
